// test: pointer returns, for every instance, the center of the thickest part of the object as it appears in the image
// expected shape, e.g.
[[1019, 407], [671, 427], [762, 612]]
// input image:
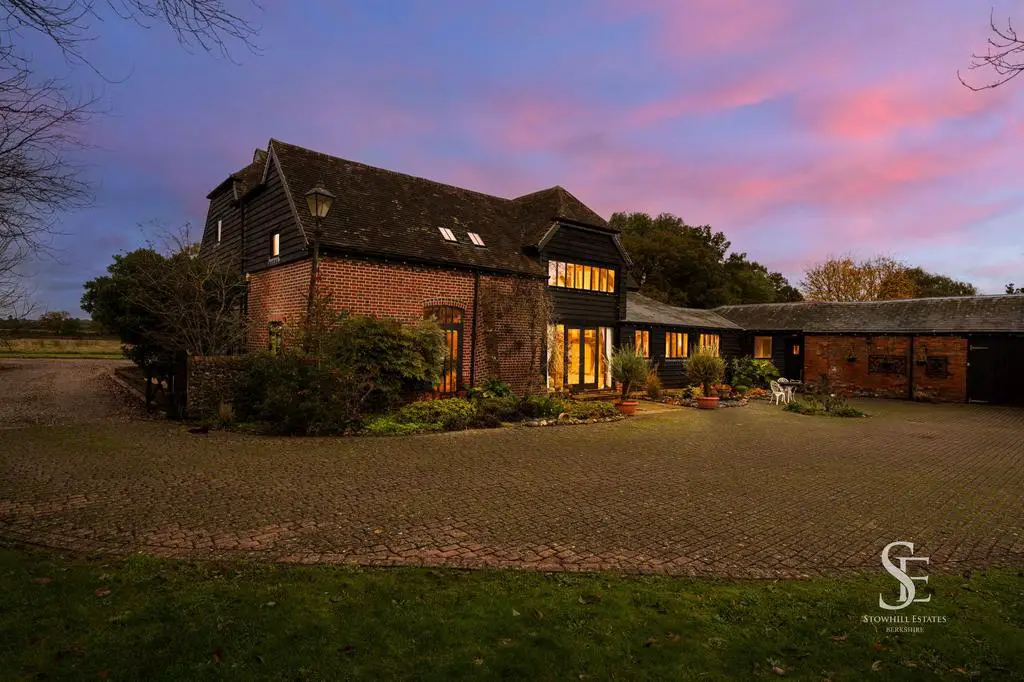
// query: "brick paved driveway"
[[741, 492]]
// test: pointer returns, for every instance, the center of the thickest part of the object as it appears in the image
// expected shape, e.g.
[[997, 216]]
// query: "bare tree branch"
[[1004, 55]]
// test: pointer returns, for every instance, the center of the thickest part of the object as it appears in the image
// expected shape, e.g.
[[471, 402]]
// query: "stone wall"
[[211, 381], [882, 366]]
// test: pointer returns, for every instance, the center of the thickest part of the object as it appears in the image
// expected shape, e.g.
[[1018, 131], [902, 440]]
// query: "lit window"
[[676, 345], [796, 349], [710, 342], [762, 347], [275, 246], [220, 224], [475, 238], [642, 342], [576, 276], [448, 235]]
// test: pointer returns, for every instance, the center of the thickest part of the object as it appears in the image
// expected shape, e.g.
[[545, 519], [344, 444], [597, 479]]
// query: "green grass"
[[148, 619]]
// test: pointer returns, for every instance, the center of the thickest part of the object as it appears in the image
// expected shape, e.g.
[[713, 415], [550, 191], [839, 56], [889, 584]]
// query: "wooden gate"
[[994, 365], [167, 384]]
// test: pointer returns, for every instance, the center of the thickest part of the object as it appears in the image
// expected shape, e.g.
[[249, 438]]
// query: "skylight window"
[[475, 238], [448, 235]]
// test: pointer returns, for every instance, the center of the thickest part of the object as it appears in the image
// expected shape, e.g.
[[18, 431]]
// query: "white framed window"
[[448, 235], [220, 224], [275, 245], [475, 238]]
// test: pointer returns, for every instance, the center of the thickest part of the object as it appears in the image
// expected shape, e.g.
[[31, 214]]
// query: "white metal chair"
[[778, 393]]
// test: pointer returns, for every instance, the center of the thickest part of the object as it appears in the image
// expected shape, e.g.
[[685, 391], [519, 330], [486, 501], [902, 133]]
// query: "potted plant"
[[705, 369], [629, 368]]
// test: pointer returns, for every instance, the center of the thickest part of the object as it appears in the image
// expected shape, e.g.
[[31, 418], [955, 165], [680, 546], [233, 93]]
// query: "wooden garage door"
[[995, 368]]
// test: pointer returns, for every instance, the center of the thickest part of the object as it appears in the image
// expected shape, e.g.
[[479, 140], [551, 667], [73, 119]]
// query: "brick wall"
[[399, 292], [830, 355]]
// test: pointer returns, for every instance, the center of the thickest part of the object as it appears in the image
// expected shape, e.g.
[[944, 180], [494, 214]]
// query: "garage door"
[[995, 370]]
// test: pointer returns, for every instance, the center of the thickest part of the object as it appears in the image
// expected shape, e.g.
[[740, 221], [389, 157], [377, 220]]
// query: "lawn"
[[145, 618], [88, 347]]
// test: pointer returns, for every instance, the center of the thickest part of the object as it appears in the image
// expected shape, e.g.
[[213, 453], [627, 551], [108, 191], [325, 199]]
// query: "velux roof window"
[[475, 238], [448, 235]]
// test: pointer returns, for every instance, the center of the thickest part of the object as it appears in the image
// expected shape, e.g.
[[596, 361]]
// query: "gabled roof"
[[540, 211], [953, 314], [390, 214], [643, 310]]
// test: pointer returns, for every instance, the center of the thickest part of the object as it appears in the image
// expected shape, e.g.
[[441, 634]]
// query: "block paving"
[[751, 492]]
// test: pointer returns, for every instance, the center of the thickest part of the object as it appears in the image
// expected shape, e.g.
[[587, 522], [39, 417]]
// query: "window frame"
[[770, 347], [275, 245], [220, 229], [642, 341], [447, 234], [702, 343], [476, 239], [677, 345], [592, 278]]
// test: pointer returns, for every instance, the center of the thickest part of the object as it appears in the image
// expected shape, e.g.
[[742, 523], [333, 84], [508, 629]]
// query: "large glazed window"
[[577, 276], [762, 347], [642, 342], [449, 318], [676, 345], [710, 342]]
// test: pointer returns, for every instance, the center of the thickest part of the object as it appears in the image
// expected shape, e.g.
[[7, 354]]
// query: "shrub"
[[592, 409], [694, 392], [629, 368], [807, 405], [387, 426], [492, 388], [502, 409], [705, 369], [749, 372], [653, 385], [449, 414], [292, 395], [486, 420], [541, 407], [742, 390]]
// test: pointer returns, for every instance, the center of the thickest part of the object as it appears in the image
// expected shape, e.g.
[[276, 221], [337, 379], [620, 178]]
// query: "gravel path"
[[55, 392]]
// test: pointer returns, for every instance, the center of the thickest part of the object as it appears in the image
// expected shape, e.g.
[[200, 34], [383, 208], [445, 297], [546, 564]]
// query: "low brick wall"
[[882, 366], [211, 381]]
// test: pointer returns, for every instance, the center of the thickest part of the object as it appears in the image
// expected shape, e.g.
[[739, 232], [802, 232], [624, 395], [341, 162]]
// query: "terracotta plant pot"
[[707, 402], [627, 407]]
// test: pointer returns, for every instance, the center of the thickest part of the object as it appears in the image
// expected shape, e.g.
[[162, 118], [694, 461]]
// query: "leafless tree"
[[1004, 55], [41, 119]]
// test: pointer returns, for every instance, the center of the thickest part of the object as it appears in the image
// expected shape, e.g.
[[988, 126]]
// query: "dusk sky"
[[800, 128]]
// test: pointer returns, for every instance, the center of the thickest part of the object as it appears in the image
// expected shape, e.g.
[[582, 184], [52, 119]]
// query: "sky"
[[800, 128]]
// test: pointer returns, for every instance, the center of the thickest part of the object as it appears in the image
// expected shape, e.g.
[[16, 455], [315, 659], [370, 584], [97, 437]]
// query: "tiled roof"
[[643, 310], [381, 212], [915, 315]]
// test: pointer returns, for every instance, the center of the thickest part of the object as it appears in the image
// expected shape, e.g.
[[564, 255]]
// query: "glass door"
[[587, 355]]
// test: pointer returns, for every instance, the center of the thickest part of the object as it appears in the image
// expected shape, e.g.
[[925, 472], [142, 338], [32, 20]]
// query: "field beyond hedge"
[[107, 348]]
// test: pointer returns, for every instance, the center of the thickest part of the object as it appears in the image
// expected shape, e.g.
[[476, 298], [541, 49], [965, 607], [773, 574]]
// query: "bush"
[[705, 369], [541, 407], [694, 392], [653, 385], [340, 369], [741, 390], [387, 426], [449, 414], [486, 420], [629, 368], [812, 406], [502, 409], [492, 388], [292, 395], [749, 372], [592, 409]]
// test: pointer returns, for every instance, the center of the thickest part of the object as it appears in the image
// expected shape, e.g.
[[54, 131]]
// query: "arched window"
[[449, 318]]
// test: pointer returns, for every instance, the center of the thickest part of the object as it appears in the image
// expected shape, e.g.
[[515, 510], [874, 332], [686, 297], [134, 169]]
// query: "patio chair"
[[778, 393]]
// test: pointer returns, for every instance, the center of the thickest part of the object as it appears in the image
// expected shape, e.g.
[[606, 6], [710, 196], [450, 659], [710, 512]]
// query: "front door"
[[449, 318], [993, 365], [793, 367]]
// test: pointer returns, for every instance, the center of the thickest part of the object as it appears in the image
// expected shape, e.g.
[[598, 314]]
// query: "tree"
[[161, 304], [930, 285], [1003, 55], [691, 266], [41, 120], [876, 279]]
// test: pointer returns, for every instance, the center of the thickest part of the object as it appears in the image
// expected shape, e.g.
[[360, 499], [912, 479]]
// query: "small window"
[[448, 235], [275, 245], [710, 342], [642, 342], [796, 349], [220, 224], [475, 238], [676, 345], [762, 347], [552, 273]]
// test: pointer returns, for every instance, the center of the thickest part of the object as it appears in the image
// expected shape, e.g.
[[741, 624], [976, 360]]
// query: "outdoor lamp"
[[319, 200]]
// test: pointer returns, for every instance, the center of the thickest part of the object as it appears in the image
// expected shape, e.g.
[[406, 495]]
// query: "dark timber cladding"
[[268, 212], [581, 246]]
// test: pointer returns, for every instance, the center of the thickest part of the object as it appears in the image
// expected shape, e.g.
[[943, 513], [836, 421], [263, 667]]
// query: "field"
[[57, 347]]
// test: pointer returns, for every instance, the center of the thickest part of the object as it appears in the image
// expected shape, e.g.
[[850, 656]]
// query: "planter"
[[707, 402], [627, 407]]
